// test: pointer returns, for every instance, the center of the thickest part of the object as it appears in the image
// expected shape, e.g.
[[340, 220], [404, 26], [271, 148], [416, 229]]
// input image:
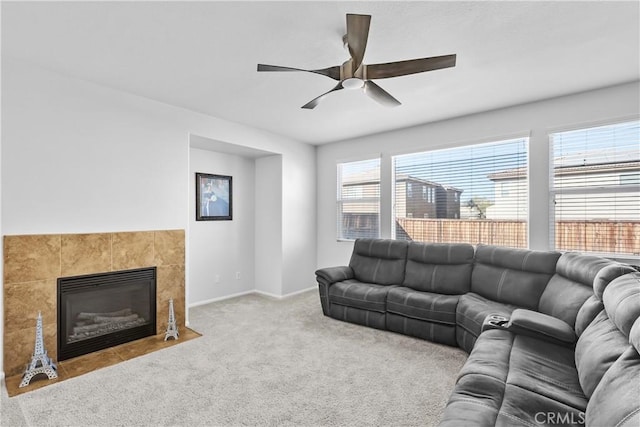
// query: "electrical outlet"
[[217, 278], [237, 275]]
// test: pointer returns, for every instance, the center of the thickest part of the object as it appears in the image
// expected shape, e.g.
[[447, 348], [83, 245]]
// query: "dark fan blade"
[[412, 66], [380, 95], [314, 102], [357, 35], [332, 72]]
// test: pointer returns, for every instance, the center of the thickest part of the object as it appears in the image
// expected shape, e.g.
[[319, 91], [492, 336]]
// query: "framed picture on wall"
[[214, 197]]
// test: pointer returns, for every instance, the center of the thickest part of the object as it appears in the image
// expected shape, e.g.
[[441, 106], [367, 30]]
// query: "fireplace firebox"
[[99, 311]]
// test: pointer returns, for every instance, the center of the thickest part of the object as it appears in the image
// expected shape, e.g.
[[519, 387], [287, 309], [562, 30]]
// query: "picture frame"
[[214, 197]]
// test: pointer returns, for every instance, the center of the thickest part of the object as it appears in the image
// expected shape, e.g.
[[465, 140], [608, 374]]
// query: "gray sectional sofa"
[[553, 338]]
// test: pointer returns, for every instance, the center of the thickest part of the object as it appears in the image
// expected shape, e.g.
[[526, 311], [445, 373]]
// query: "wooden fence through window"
[[602, 236]]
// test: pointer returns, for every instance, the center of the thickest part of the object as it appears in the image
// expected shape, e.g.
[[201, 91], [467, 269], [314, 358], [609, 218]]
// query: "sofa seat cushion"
[[510, 379], [471, 311], [423, 305], [485, 402], [366, 296], [546, 369], [529, 363]]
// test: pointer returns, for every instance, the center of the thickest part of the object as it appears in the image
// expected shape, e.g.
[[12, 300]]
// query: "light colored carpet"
[[260, 361]]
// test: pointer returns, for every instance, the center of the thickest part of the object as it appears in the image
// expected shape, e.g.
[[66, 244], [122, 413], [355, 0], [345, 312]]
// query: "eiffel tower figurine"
[[41, 363], [172, 328]]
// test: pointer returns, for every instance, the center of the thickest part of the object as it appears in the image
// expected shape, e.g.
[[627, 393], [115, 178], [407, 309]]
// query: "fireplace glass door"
[[103, 310]]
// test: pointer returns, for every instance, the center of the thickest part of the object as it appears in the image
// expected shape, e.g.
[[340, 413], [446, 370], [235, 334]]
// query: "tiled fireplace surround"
[[33, 263]]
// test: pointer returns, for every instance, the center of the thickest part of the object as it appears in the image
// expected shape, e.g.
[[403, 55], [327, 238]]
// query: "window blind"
[[595, 190], [473, 194], [358, 199]]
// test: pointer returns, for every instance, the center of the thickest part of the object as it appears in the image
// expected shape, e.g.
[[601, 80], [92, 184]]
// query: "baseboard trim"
[[300, 291], [270, 295], [209, 301], [254, 291], [267, 294]]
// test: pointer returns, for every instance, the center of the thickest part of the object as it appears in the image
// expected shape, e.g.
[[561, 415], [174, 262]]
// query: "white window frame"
[[594, 190], [524, 135], [340, 202]]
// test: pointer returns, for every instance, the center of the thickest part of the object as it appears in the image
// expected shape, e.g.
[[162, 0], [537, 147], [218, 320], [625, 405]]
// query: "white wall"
[[82, 158], [79, 157], [269, 225], [220, 249], [535, 119], [295, 227], [1, 246]]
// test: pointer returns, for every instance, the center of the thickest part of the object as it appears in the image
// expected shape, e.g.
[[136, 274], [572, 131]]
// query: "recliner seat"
[[358, 293], [425, 304], [503, 279]]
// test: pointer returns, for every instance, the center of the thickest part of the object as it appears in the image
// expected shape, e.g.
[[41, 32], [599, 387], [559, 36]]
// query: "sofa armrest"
[[327, 277], [332, 275], [542, 326]]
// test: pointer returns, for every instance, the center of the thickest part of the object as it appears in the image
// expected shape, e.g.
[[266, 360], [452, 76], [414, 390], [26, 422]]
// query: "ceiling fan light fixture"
[[354, 74], [353, 83]]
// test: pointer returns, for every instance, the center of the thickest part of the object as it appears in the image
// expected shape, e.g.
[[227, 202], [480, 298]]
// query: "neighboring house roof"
[[401, 177], [520, 173], [359, 178], [373, 177]]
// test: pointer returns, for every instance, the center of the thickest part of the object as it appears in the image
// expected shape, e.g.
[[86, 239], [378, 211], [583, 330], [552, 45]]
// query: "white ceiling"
[[203, 55]]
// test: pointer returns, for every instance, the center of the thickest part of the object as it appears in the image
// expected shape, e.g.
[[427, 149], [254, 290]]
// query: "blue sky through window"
[[614, 143], [466, 168]]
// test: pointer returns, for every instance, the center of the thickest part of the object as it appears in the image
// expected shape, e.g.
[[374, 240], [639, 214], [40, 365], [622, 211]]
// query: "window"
[[466, 200], [358, 199], [595, 190], [630, 178], [504, 188]]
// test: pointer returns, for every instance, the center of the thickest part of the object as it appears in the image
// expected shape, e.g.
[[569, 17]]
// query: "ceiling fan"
[[353, 74]]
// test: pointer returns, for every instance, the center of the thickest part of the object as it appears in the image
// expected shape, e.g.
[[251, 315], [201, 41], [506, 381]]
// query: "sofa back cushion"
[[441, 268], [512, 276], [576, 279], [622, 302], [587, 313], [615, 400], [608, 336], [597, 348], [380, 261]]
